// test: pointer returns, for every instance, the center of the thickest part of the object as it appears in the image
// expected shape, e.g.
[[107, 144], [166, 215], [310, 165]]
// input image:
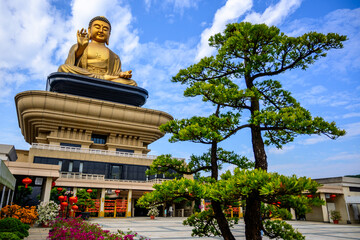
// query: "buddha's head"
[[99, 29]]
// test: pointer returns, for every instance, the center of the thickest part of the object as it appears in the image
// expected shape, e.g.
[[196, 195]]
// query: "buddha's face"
[[100, 31]]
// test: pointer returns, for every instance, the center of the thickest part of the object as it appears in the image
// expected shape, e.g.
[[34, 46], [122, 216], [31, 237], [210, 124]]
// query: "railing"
[[90, 151], [158, 180], [78, 175]]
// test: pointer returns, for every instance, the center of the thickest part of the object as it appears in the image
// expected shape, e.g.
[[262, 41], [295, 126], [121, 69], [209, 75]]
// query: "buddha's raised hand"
[[82, 38]]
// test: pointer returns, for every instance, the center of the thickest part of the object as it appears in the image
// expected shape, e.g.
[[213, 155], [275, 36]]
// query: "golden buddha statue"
[[93, 58]]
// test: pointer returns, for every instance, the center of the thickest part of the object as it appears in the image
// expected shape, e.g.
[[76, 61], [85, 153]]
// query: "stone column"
[[347, 211], [324, 209], [45, 195], [173, 207], [129, 200], [12, 197], [202, 204], [293, 214], [2, 196], [74, 190], [241, 213], [8, 196], [102, 203]]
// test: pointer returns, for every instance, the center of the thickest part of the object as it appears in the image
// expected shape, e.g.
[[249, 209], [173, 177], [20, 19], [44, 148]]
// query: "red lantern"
[[53, 184], [64, 204], [89, 190], [332, 196], [278, 202], [74, 207], [117, 192], [26, 181], [59, 189], [309, 196], [61, 198], [65, 198], [72, 200]]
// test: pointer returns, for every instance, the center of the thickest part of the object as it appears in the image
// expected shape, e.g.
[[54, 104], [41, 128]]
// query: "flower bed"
[[77, 228], [26, 214]]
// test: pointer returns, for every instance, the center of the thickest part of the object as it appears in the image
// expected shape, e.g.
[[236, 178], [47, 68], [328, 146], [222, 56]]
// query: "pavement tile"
[[172, 229]]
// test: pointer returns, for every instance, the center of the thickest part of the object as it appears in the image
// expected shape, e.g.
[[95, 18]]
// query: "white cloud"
[[40, 37], [274, 15], [232, 10], [344, 156], [314, 140], [285, 149], [177, 5], [352, 129], [317, 89], [351, 115]]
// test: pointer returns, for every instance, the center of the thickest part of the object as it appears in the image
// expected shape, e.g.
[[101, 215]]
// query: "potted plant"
[[153, 212], [335, 216], [84, 202]]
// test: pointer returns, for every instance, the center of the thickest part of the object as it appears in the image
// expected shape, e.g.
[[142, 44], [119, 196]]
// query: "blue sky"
[[156, 38]]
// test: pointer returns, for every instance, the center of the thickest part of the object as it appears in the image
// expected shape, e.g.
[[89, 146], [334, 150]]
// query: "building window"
[[70, 166], [115, 172], [81, 167], [124, 150], [99, 139], [70, 145], [60, 164], [354, 189]]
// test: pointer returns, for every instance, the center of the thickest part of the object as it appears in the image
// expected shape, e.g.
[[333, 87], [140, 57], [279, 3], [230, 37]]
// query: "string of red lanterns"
[[64, 204]]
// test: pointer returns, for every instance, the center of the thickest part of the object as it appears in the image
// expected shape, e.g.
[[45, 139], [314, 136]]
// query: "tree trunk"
[[222, 221], [258, 148], [253, 222], [253, 217], [219, 215]]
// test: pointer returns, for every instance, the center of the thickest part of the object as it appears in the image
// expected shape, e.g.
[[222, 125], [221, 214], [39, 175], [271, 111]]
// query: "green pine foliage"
[[238, 82]]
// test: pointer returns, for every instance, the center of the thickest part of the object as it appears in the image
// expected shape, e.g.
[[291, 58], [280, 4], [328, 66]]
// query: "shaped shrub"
[[13, 225]]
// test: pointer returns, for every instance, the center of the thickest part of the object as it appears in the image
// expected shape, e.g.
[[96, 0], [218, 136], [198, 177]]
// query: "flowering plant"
[[77, 228], [26, 214], [153, 211], [47, 211]]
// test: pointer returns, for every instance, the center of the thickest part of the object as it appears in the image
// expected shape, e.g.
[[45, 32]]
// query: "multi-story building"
[[83, 142]]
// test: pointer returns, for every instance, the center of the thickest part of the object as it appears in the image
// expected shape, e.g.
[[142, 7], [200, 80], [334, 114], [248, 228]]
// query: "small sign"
[[38, 181]]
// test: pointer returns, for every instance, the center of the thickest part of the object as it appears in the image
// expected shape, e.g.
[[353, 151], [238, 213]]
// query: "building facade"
[[341, 194], [80, 142]]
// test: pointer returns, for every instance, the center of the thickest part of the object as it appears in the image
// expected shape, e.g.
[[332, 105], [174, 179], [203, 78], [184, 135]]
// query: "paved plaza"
[[172, 228]]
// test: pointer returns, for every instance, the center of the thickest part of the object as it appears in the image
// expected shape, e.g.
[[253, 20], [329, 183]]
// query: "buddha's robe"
[[93, 67]]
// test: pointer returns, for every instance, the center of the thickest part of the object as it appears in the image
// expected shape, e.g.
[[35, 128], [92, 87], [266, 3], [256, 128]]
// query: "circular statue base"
[[83, 86]]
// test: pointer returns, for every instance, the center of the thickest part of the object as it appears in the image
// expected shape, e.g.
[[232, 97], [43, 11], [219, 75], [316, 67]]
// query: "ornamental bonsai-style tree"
[[239, 84]]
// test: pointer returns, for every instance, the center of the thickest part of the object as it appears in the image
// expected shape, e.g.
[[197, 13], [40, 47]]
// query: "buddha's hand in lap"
[[110, 77], [126, 75]]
